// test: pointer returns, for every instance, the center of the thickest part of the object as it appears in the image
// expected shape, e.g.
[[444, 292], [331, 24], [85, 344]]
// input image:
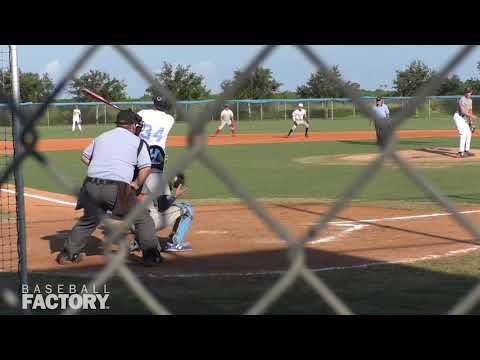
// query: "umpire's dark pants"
[[383, 131], [105, 196]]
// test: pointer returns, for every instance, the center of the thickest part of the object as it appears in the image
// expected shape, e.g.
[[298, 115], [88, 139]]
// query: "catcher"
[[166, 211], [463, 119]]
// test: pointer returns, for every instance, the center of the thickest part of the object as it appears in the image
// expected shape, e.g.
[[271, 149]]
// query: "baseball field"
[[392, 251]]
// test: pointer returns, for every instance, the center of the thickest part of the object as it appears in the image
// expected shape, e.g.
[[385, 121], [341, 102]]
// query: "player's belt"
[[103, 181]]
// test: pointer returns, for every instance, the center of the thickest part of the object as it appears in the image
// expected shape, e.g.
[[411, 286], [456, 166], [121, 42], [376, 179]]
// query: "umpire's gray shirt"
[[113, 155]]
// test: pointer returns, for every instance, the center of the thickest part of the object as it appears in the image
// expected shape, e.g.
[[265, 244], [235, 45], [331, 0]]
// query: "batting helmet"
[[161, 103]]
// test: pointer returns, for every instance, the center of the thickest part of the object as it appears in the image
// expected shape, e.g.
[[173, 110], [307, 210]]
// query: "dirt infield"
[[181, 141], [231, 239], [359, 236]]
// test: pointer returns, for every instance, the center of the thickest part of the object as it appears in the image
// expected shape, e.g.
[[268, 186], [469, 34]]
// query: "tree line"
[[185, 84]]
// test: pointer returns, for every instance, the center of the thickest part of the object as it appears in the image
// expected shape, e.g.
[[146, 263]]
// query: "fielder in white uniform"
[[299, 117], [76, 119], [462, 118], [226, 118], [165, 211]]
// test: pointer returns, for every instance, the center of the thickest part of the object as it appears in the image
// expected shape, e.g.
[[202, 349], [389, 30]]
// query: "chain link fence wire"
[[116, 264], [8, 218]]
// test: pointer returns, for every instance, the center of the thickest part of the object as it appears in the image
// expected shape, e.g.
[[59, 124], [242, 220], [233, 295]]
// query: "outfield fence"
[[197, 151], [95, 113]]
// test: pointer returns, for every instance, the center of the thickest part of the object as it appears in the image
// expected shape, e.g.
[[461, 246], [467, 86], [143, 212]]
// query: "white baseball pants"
[[464, 132], [225, 122], [165, 218], [76, 122]]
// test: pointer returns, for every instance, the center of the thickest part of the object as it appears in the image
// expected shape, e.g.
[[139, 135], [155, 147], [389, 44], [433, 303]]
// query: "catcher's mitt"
[[178, 180]]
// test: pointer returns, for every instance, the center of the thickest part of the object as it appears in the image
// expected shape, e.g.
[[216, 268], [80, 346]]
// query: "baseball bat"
[[98, 97]]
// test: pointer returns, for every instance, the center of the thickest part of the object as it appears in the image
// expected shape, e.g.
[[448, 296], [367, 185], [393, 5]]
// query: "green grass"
[[438, 121], [428, 287], [269, 171]]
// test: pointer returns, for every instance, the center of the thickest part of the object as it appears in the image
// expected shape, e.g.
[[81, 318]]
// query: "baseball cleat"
[[461, 154], [152, 258], [171, 247], [133, 246], [63, 258], [468, 153]]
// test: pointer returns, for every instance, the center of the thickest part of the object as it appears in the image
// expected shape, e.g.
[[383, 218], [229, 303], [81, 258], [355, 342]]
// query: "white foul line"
[[212, 232], [42, 198], [359, 224], [353, 227], [401, 217]]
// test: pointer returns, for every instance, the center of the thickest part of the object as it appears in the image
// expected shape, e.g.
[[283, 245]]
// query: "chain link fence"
[[197, 121], [93, 113], [8, 219]]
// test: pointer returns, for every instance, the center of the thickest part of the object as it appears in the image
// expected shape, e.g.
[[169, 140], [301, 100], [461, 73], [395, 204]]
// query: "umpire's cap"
[[128, 117]]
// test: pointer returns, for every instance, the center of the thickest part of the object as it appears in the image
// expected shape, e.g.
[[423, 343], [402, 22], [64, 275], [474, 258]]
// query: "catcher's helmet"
[[161, 103], [127, 117]]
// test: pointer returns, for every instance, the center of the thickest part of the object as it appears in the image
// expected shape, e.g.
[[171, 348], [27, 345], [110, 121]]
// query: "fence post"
[[354, 114], [261, 111], [17, 129], [238, 113], [429, 99], [332, 109]]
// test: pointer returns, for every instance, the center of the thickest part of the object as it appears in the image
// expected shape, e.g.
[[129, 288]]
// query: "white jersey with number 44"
[[157, 125]]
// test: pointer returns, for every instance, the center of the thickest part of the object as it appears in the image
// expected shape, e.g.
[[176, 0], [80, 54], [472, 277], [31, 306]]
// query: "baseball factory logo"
[[51, 297]]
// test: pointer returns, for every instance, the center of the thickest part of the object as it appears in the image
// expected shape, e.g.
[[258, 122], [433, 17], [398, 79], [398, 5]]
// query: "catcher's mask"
[[139, 126], [129, 117]]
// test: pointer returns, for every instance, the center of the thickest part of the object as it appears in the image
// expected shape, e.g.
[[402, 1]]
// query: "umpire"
[[112, 158], [382, 122]]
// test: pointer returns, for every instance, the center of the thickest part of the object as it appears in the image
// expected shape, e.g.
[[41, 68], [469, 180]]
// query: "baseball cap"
[[379, 98], [300, 105], [127, 117]]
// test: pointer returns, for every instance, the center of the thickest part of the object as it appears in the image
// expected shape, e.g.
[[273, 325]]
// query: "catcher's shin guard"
[[182, 225]]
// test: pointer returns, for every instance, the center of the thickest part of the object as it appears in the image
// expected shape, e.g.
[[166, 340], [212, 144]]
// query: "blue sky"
[[366, 64]]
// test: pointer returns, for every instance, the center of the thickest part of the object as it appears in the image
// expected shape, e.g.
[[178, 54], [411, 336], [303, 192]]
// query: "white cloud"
[[53, 69]]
